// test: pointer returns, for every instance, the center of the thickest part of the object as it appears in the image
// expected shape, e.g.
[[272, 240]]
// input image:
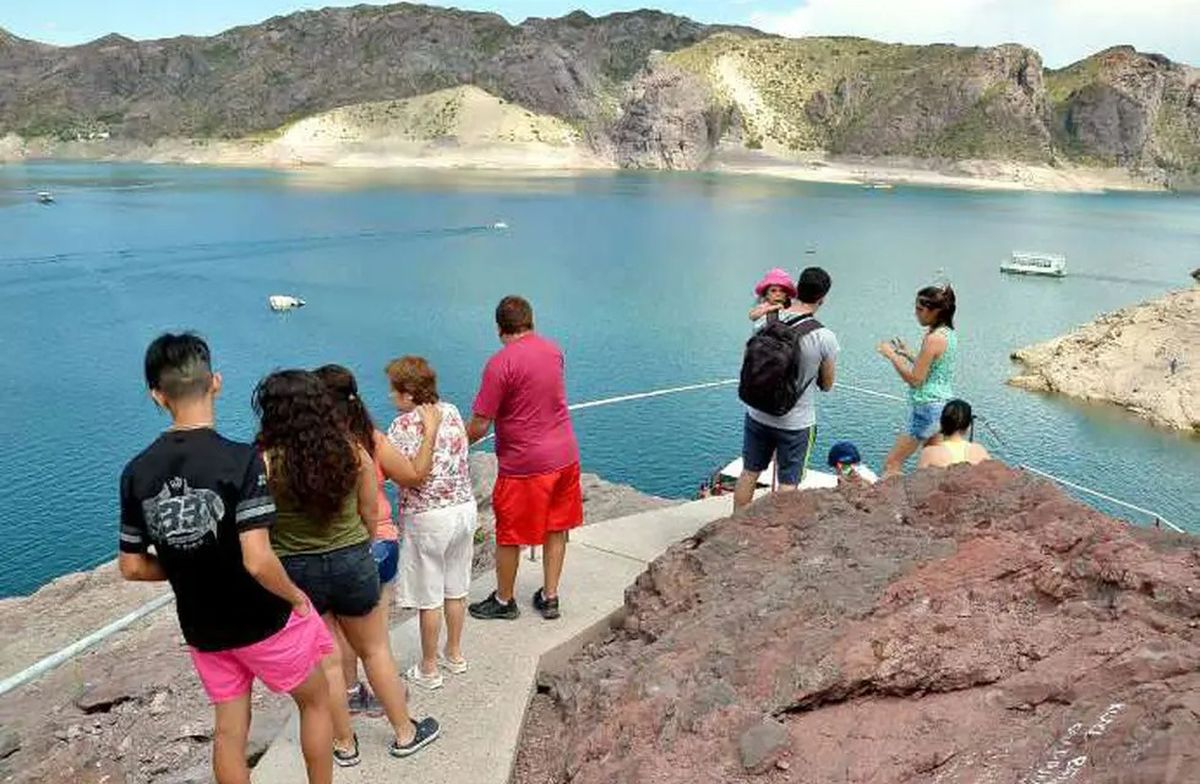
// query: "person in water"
[[385, 547], [956, 446], [326, 492], [440, 517], [775, 292], [929, 374], [202, 501]]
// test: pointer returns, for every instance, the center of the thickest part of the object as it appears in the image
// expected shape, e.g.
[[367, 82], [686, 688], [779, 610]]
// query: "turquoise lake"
[[643, 279]]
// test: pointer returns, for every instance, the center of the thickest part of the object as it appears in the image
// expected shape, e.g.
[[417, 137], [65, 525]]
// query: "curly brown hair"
[[414, 376], [309, 451], [344, 389]]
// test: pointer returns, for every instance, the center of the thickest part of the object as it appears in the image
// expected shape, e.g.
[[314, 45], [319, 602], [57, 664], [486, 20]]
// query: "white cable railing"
[[59, 657]]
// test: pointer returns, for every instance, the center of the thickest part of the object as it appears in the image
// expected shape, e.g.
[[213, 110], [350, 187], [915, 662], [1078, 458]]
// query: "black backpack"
[[770, 380]]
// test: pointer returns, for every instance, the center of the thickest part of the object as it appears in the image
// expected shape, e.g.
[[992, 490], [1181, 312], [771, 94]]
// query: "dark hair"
[[514, 315], [309, 451], [414, 376], [941, 299], [344, 391], [813, 284], [179, 366], [956, 417]]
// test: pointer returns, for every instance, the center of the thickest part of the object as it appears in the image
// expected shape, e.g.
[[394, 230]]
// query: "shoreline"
[[539, 159]]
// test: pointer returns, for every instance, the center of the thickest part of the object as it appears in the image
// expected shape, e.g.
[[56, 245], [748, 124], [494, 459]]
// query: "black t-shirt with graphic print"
[[189, 494]]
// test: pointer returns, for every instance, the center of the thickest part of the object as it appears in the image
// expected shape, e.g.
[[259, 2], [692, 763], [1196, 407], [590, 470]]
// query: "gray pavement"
[[481, 712]]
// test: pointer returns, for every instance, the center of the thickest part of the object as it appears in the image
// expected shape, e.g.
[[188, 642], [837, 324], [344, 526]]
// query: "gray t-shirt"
[[815, 347]]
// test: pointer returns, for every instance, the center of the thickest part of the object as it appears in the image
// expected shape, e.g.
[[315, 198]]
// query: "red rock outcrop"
[[970, 625]]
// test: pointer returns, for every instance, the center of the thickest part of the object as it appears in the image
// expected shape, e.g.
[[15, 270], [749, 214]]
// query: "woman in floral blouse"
[[439, 519]]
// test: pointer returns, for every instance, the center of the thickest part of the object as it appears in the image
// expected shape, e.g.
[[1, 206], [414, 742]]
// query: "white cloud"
[[1062, 30]]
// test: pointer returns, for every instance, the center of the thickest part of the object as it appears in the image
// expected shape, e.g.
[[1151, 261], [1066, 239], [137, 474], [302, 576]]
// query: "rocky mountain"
[[1121, 107], [955, 626], [256, 78], [643, 89]]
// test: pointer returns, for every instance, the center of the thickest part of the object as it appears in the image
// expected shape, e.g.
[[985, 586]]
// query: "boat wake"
[[173, 255]]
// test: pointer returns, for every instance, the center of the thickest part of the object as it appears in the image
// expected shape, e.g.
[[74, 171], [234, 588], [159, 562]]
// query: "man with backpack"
[[787, 359]]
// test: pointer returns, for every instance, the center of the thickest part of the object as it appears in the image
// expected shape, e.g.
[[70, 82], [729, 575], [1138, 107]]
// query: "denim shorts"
[[925, 420], [790, 449], [343, 582], [386, 553]]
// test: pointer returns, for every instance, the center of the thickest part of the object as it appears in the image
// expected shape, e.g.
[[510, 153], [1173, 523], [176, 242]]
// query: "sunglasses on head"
[[925, 304]]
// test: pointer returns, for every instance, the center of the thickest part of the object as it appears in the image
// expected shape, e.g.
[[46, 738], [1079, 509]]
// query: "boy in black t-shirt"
[[202, 502]]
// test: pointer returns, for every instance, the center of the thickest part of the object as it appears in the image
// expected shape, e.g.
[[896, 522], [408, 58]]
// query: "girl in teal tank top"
[[929, 374]]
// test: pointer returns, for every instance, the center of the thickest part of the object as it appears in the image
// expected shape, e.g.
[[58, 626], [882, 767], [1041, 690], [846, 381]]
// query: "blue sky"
[[1062, 30]]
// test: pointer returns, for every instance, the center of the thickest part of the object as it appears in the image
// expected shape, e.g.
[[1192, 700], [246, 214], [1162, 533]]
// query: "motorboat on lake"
[[1051, 264], [45, 197], [283, 302]]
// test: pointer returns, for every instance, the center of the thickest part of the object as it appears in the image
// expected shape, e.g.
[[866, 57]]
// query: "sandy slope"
[[458, 127], [1125, 358]]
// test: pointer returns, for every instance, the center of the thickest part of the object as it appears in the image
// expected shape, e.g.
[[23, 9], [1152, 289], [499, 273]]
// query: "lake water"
[[644, 279]]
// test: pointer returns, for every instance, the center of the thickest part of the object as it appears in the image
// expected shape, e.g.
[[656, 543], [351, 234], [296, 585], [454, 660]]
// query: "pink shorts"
[[283, 661]]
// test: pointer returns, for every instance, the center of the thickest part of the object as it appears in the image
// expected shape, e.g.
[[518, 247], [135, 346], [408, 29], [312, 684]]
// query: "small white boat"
[[878, 186], [45, 197], [500, 226], [1051, 264], [813, 480], [281, 302]]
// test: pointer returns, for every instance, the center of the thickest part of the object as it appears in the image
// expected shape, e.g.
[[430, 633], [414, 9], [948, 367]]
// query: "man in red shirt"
[[537, 498]]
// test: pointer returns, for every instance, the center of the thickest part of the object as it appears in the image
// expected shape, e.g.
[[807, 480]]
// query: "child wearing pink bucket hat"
[[775, 292]]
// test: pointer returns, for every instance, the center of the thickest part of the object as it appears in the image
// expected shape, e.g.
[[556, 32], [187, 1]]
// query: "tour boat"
[[45, 197], [282, 302], [1051, 264]]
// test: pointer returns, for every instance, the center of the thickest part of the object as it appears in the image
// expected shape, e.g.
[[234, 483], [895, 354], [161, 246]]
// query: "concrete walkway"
[[481, 712]]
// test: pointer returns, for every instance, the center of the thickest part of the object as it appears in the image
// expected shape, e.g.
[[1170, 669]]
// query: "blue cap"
[[845, 453]]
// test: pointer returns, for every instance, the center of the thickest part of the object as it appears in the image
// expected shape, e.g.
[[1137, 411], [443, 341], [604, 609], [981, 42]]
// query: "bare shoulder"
[[977, 453], [936, 340], [934, 456]]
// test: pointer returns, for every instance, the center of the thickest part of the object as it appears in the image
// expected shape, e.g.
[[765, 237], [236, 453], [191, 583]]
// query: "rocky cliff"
[[969, 625], [1144, 358], [643, 89], [1124, 108]]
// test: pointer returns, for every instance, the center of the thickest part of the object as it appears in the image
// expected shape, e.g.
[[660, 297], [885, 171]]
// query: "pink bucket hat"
[[775, 277]]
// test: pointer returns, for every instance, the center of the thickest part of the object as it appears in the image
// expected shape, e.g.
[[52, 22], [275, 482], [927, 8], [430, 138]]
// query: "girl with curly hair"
[[389, 464], [325, 489]]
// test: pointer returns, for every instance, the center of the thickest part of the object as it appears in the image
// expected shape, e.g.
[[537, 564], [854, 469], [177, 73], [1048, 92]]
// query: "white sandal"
[[454, 667], [415, 676]]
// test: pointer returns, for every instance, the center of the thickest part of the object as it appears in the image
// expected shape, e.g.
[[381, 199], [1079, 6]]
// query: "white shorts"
[[435, 561]]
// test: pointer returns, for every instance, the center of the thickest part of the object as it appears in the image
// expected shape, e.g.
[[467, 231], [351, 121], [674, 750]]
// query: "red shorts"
[[283, 661], [529, 507]]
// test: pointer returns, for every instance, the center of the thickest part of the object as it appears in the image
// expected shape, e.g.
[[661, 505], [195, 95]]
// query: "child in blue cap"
[[845, 460]]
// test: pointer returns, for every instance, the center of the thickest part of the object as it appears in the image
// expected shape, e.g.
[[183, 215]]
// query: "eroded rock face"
[[668, 121], [966, 625]]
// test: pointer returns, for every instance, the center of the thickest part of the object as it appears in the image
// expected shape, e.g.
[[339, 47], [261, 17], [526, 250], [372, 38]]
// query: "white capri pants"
[[435, 561]]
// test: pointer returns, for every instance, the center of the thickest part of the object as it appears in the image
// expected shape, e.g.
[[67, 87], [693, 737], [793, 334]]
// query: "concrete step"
[[481, 712]]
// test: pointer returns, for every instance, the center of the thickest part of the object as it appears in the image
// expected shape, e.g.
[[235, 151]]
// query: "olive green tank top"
[[297, 533], [939, 384]]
